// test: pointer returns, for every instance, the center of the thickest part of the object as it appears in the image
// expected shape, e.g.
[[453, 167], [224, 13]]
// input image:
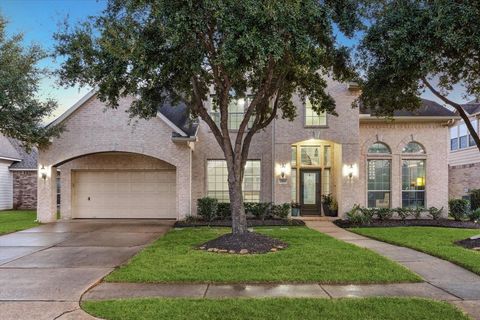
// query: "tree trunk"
[[239, 219]]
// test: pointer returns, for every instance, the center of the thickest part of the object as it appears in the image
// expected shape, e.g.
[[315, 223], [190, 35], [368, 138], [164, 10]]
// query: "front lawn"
[[435, 241], [278, 309], [16, 220], [310, 257]]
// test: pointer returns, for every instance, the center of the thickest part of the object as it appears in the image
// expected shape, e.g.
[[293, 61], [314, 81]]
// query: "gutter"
[[185, 139], [369, 118]]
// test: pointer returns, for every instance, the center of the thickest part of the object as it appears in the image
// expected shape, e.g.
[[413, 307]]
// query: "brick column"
[[47, 194]]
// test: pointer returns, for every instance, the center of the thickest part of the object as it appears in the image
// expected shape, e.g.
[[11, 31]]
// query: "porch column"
[[47, 194]]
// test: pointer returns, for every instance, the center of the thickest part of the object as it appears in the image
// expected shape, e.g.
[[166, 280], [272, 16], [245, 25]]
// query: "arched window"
[[413, 147], [379, 147]]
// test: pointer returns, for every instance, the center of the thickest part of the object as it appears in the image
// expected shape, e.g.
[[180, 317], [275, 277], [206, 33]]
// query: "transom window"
[[413, 147], [379, 181], [236, 113], [460, 138], [379, 147], [413, 183], [217, 181], [312, 118]]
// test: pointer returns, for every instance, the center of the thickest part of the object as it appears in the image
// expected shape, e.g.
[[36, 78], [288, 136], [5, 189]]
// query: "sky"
[[38, 20]]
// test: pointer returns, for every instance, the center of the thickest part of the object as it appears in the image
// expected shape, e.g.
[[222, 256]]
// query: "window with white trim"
[[236, 113], [379, 183], [460, 137], [217, 181], [413, 183], [312, 118]]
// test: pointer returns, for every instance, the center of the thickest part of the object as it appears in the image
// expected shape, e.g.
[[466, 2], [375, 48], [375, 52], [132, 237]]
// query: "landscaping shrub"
[[357, 215], [223, 211], [435, 213], [260, 210], [475, 199], [403, 213], [384, 214], [458, 208], [281, 210], [474, 215], [369, 213], [416, 212], [207, 208]]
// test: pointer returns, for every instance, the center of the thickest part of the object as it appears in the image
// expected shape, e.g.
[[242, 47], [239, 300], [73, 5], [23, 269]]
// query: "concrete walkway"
[[45, 270], [444, 275]]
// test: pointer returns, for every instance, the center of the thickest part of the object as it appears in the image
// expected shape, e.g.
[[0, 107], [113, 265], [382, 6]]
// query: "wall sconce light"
[[43, 172], [283, 171], [350, 172]]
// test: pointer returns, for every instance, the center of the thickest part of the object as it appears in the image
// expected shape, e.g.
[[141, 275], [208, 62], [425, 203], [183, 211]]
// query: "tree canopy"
[[21, 112], [409, 43], [186, 50]]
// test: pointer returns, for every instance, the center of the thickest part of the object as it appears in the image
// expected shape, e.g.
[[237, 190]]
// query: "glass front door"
[[310, 192]]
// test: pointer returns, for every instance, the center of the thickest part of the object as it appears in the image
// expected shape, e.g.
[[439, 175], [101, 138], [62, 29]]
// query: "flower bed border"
[[445, 223]]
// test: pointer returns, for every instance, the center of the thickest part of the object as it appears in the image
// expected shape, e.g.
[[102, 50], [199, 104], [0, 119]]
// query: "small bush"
[[357, 215], [384, 214], [474, 216], [369, 213], [260, 210], [403, 213], [207, 208], [281, 210], [416, 212], [475, 199], [435, 213], [458, 208], [223, 211]]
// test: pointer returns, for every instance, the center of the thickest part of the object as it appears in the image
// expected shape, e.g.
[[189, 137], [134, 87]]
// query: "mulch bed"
[[250, 223], [411, 223], [250, 242], [469, 243]]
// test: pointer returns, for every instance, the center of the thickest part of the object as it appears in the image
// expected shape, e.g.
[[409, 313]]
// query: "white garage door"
[[124, 194]]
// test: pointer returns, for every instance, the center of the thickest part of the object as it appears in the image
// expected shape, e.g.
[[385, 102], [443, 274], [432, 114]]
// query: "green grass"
[[438, 242], [16, 220], [278, 309], [310, 257]]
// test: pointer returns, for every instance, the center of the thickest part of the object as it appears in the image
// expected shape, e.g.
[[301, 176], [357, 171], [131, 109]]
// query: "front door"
[[310, 192]]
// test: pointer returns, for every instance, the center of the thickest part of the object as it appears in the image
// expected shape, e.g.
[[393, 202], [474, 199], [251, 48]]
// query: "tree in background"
[[21, 113], [409, 43], [186, 50]]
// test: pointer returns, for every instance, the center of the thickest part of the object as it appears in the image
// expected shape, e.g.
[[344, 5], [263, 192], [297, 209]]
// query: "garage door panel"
[[124, 194]]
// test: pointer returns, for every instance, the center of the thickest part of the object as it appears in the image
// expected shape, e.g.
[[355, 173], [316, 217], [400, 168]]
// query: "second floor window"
[[312, 118], [460, 138], [236, 113]]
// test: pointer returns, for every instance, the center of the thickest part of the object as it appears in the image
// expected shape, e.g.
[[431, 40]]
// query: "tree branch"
[[459, 109]]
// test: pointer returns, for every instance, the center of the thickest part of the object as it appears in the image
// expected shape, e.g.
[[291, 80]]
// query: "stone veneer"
[[463, 178], [24, 189]]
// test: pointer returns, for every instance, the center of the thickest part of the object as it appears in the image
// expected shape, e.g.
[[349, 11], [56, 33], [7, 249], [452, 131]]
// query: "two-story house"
[[160, 167], [464, 157]]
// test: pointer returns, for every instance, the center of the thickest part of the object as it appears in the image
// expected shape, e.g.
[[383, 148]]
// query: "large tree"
[[412, 46], [184, 50], [21, 112]]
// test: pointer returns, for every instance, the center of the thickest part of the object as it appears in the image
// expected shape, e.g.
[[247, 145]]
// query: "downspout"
[[273, 160]]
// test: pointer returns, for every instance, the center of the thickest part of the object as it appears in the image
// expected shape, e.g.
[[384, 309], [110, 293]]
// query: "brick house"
[[160, 167], [18, 175], [464, 157]]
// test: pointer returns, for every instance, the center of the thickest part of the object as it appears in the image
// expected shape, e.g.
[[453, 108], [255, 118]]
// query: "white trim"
[[9, 159], [19, 169], [370, 118], [171, 124], [73, 108]]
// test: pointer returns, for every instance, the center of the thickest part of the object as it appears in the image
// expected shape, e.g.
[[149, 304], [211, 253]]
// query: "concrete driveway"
[[45, 270]]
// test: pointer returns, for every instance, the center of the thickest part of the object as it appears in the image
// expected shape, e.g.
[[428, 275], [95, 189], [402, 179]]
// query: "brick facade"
[[24, 189], [463, 178]]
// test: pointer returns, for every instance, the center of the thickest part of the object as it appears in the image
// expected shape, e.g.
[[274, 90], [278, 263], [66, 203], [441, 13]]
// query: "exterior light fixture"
[[350, 172], [43, 172], [283, 171]]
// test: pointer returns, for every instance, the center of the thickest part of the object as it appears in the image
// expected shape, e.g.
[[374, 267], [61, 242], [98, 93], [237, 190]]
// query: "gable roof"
[[472, 107], [428, 108], [7, 150], [12, 149], [28, 159], [175, 116]]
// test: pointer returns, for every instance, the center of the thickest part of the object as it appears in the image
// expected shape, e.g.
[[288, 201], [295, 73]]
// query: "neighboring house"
[[464, 156], [18, 175], [160, 167]]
